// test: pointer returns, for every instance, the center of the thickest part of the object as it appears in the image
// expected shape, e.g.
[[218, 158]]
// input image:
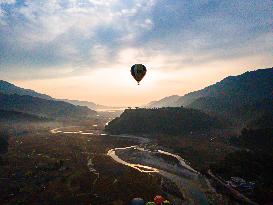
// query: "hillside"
[[253, 85], [162, 120], [247, 97], [165, 102], [14, 116], [88, 104], [42, 107], [10, 89], [235, 107]]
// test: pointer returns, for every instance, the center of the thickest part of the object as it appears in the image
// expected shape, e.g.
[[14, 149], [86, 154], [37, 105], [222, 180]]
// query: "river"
[[147, 157], [193, 186]]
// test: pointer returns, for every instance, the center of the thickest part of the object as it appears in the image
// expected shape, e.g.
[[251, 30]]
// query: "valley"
[[47, 168], [55, 152], [67, 164], [136, 102]]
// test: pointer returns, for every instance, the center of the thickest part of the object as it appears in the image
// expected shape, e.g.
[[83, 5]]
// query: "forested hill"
[[163, 120], [11, 89], [246, 97], [252, 86]]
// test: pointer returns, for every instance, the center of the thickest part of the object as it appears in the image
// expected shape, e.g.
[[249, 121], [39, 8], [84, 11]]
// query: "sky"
[[83, 49]]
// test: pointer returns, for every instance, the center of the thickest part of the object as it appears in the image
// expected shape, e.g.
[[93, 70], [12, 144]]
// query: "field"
[[200, 149]]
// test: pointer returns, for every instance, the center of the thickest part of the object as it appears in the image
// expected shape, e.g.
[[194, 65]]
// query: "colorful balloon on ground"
[[159, 200], [138, 71], [150, 203], [137, 201]]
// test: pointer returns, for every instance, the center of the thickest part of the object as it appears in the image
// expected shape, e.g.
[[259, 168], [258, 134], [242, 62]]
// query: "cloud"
[[7, 1], [2, 10], [82, 35], [44, 33]]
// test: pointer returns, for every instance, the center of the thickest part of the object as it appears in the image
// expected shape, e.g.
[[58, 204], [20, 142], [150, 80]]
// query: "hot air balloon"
[[137, 201], [158, 200], [150, 203], [138, 71]]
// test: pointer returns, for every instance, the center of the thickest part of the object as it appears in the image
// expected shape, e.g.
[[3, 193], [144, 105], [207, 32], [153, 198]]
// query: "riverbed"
[[147, 157]]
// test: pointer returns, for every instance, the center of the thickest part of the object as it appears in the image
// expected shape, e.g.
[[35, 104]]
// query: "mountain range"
[[169, 101], [14, 116], [246, 97], [10, 89], [252, 85], [240, 97], [43, 108], [28, 104], [89, 104]]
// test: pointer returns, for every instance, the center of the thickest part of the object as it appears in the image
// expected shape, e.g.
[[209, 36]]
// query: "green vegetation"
[[172, 121]]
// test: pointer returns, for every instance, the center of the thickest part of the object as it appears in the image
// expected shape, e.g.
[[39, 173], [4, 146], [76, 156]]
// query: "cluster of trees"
[[253, 162], [173, 121]]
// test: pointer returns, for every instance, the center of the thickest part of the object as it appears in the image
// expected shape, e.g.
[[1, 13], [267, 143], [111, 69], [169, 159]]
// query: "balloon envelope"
[[138, 71], [150, 203], [158, 200], [137, 201]]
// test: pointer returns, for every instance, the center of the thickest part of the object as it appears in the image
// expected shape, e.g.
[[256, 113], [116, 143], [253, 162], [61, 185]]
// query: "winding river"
[[193, 186]]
